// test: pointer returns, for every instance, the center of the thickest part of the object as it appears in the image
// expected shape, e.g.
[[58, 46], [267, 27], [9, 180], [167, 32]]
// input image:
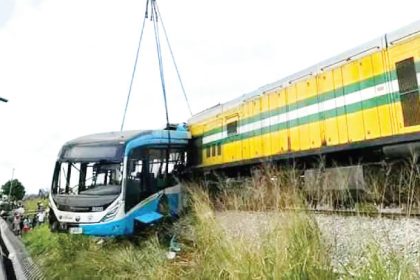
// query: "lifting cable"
[[154, 17], [134, 67], [173, 59], [155, 20]]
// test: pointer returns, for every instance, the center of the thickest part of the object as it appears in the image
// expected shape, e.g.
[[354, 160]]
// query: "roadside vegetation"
[[31, 205], [14, 188], [293, 248]]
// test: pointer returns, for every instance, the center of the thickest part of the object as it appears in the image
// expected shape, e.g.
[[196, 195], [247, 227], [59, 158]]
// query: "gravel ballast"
[[347, 238]]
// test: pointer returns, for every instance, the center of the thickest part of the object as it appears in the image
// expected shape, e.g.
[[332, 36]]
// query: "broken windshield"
[[88, 178]]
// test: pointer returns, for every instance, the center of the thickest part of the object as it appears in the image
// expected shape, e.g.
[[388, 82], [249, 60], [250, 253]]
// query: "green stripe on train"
[[357, 86], [353, 108]]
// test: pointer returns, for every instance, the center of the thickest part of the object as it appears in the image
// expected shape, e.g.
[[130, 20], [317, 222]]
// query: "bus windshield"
[[88, 178]]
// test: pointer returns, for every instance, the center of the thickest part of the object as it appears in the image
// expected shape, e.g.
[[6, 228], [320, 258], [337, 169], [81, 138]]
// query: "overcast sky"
[[65, 65]]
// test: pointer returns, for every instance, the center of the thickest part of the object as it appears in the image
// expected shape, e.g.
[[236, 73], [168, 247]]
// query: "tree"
[[18, 190]]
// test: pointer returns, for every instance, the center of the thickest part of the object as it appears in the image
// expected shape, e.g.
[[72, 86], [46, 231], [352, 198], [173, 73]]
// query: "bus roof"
[[114, 137], [112, 146]]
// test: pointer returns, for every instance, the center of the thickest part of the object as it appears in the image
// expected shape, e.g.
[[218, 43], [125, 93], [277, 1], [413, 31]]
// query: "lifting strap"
[[155, 17], [134, 68]]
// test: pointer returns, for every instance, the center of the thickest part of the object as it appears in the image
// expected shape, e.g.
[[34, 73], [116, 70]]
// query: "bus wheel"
[[53, 222], [54, 226], [163, 206]]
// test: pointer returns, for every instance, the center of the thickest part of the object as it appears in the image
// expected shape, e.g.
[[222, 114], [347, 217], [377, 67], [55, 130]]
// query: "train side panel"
[[368, 98], [330, 132], [266, 129], [404, 64]]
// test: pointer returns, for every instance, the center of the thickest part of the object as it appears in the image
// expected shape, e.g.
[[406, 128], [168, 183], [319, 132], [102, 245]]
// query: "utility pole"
[[11, 184], [3, 99]]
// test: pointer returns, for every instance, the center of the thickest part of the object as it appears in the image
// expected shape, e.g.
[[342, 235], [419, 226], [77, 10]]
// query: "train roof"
[[112, 146], [355, 53]]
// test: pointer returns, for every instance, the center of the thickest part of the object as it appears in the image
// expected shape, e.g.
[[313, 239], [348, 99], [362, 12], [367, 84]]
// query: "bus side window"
[[167, 168], [135, 183], [151, 170]]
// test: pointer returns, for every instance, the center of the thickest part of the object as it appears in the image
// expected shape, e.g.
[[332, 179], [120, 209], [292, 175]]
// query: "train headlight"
[[111, 213]]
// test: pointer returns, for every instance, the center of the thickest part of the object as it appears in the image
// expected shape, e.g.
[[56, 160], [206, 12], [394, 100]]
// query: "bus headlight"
[[111, 213]]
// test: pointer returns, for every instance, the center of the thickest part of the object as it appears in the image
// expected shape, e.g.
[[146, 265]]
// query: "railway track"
[[16, 263], [345, 212]]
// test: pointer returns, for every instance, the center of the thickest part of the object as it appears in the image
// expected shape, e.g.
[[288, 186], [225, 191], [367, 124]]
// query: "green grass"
[[381, 267], [31, 204], [293, 249], [63, 256]]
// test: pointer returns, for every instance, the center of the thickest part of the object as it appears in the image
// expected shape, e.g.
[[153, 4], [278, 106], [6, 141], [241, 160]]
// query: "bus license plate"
[[75, 230]]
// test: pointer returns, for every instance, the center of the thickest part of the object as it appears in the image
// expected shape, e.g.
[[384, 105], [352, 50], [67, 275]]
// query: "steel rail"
[[349, 212]]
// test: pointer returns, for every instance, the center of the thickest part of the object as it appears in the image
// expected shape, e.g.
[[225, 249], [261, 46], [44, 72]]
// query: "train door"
[[244, 114], [404, 58], [255, 139], [278, 122], [293, 118], [266, 125], [233, 149], [325, 83]]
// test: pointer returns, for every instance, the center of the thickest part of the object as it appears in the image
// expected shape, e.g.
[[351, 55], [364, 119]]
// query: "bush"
[[293, 248]]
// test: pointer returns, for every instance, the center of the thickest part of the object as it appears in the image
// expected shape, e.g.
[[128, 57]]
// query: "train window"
[[219, 149], [406, 73], [409, 92], [213, 150], [232, 128], [208, 152]]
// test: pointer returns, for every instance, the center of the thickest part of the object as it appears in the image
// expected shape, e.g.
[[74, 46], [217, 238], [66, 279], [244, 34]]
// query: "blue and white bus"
[[106, 184]]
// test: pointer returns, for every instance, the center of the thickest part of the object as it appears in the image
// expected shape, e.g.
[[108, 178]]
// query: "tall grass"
[[385, 267], [396, 185], [291, 251], [63, 256], [269, 188], [272, 188], [291, 248]]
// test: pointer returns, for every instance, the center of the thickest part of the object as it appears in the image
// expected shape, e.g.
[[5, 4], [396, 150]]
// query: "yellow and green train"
[[364, 103]]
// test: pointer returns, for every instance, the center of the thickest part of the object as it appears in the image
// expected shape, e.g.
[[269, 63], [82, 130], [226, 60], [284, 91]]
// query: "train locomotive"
[[363, 104]]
